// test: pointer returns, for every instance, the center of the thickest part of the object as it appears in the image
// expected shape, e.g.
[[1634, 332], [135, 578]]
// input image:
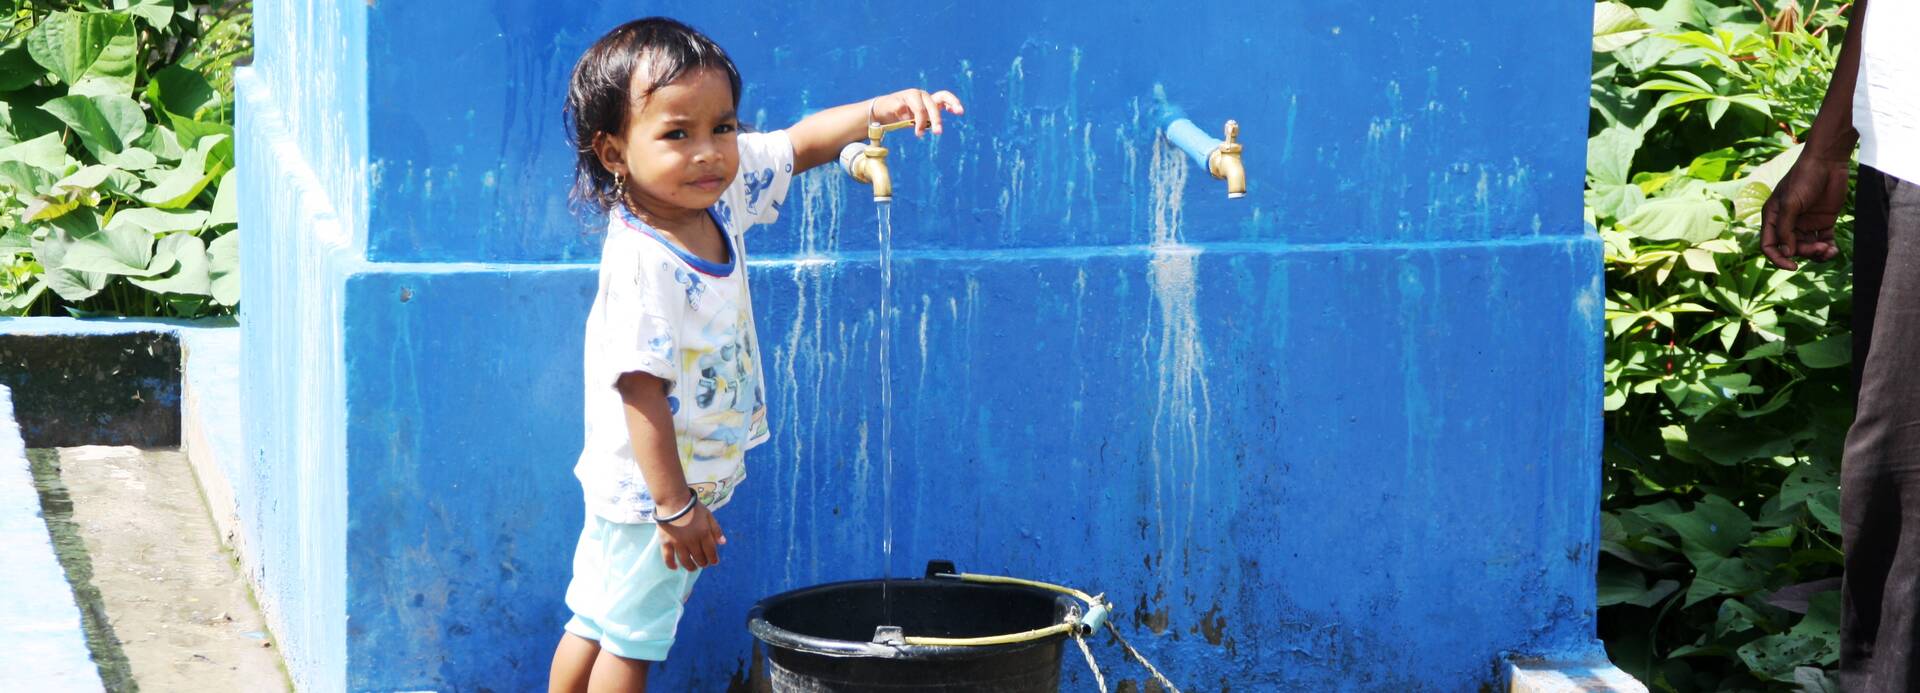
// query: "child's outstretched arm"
[[817, 139], [692, 541]]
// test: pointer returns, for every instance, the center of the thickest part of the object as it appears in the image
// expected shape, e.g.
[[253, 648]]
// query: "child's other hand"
[[919, 106], [692, 542]]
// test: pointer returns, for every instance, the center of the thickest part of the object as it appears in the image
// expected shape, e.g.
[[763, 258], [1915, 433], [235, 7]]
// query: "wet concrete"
[[164, 605], [43, 646]]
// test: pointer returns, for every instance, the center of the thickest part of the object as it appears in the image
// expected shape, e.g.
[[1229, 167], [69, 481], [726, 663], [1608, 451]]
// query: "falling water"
[[884, 212]]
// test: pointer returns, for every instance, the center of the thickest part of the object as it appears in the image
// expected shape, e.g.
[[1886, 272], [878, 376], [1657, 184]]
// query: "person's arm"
[[1798, 218], [692, 541], [817, 138]]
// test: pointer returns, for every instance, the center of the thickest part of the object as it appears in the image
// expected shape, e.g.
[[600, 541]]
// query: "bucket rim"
[[781, 638]]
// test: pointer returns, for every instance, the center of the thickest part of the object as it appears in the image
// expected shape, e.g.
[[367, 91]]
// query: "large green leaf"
[[19, 301], [1777, 167], [1775, 657], [1715, 576], [1690, 218], [1714, 526], [1620, 585], [1750, 193], [1675, 14], [1825, 508], [131, 159], [105, 124], [1828, 352], [160, 221], [24, 181], [1735, 617], [121, 249], [17, 239], [1804, 482], [218, 153], [1749, 199], [1646, 54], [181, 91], [178, 187], [226, 205], [75, 285], [1740, 442], [21, 120], [17, 68], [223, 258], [156, 13], [1715, 165], [1615, 200], [1610, 154], [189, 274], [96, 52], [44, 152], [87, 178], [1615, 26], [190, 132], [162, 143], [52, 243]]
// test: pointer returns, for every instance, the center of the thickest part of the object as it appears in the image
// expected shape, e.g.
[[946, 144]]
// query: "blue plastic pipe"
[[1184, 134]]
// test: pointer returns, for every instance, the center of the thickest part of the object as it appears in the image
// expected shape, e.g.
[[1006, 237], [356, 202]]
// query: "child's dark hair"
[[600, 91]]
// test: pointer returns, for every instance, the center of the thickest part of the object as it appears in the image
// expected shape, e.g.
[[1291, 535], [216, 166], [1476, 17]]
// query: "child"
[[673, 387]]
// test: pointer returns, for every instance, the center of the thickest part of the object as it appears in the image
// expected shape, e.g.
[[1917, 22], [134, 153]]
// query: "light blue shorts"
[[622, 594]]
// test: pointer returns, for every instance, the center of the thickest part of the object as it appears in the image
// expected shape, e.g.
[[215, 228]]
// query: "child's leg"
[[626, 608], [572, 663], [616, 674]]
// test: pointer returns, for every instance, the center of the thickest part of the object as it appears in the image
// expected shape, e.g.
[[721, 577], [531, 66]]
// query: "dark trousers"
[[1880, 476]]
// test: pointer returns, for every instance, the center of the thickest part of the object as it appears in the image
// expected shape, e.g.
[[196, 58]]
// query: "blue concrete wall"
[[1380, 121], [1341, 435], [292, 496]]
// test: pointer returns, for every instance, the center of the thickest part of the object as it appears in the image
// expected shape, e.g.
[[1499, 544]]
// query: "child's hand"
[[917, 105], [693, 541]]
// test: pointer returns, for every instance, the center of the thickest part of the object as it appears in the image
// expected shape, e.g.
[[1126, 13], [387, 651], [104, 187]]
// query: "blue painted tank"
[[1341, 434]]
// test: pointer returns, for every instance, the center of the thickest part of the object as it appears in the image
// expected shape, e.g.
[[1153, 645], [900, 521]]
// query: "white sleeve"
[[640, 313], [766, 171]]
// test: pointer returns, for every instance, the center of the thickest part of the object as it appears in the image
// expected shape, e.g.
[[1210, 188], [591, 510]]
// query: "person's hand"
[[1797, 220], [693, 541], [919, 106]]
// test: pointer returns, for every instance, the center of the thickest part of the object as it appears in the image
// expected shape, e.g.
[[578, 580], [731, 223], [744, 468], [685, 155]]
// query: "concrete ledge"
[[188, 373], [43, 646], [1569, 676], [194, 384], [210, 427]]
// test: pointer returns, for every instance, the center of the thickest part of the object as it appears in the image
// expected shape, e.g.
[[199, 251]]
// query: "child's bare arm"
[[692, 541], [817, 139]]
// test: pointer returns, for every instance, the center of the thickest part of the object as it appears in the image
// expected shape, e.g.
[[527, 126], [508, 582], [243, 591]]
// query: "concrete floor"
[[178, 616]]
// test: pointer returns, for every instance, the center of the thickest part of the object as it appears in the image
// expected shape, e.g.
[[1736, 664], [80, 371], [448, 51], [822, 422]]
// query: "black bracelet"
[[693, 499]]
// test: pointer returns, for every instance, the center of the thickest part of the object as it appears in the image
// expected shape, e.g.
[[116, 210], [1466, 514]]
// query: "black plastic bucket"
[[820, 639]]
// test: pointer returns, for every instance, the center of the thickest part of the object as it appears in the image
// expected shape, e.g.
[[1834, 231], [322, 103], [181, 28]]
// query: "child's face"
[[678, 150]]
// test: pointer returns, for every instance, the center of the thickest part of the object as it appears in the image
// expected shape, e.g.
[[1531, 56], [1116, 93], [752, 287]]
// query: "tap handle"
[[876, 130], [1231, 144]]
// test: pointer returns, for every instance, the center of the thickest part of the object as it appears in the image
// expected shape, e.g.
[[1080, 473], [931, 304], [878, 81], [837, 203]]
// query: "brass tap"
[[869, 164], [1224, 163]]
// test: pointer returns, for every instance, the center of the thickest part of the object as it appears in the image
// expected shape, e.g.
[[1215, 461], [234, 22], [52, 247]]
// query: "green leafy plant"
[[1727, 392], [116, 156]]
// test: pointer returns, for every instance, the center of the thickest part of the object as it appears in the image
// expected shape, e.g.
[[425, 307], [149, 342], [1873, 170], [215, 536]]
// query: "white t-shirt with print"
[[664, 311], [1886, 98]]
